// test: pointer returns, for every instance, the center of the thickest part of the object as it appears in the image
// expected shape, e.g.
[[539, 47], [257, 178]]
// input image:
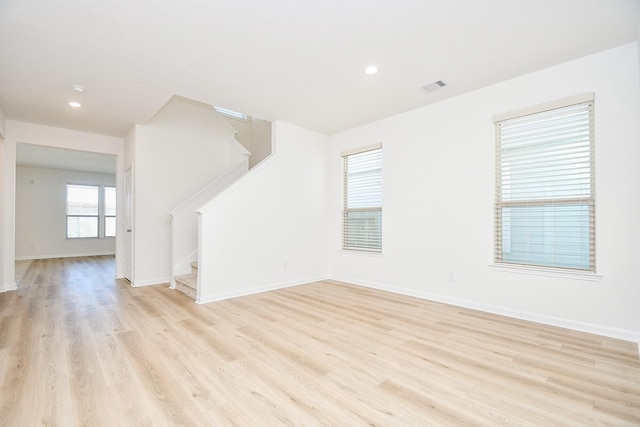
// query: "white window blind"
[[545, 188], [109, 211], [82, 211], [362, 203], [87, 206]]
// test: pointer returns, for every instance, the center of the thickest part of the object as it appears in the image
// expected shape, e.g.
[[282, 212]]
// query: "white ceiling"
[[60, 158], [292, 60]]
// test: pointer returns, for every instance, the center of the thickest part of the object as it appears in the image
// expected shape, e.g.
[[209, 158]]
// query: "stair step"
[[187, 284], [194, 267]]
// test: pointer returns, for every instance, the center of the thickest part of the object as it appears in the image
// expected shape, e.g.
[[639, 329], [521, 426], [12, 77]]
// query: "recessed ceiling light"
[[371, 70], [75, 104], [78, 88]]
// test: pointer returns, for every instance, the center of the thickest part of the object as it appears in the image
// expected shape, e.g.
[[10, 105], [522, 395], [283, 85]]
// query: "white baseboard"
[[205, 299], [623, 334], [10, 287], [151, 282], [31, 257]]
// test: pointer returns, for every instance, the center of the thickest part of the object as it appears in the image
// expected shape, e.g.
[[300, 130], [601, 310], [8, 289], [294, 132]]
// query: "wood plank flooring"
[[21, 268], [79, 348]]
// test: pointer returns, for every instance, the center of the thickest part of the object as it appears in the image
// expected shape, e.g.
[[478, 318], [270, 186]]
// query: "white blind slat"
[[362, 189], [545, 192]]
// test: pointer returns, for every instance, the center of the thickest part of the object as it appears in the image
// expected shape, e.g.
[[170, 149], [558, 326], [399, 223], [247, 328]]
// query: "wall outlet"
[[285, 265], [450, 276]]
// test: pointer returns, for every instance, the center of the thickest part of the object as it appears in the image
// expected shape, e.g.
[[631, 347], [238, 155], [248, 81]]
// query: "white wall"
[[268, 230], [7, 215], [255, 135], [438, 174], [243, 129], [129, 148], [3, 171], [41, 218], [30, 133], [261, 144], [3, 124], [186, 146]]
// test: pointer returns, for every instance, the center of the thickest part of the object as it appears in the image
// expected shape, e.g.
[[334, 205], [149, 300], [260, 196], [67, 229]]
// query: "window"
[[109, 211], [82, 211], [86, 205], [362, 199], [545, 188], [230, 113]]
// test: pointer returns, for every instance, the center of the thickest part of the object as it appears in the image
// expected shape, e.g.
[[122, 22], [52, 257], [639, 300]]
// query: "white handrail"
[[232, 173], [184, 221]]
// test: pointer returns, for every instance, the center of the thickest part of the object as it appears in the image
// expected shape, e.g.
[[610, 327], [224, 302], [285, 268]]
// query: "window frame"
[[585, 100], [105, 216], [100, 216], [370, 243]]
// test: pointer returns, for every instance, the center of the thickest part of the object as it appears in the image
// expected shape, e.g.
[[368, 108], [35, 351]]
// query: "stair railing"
[[184, 221]]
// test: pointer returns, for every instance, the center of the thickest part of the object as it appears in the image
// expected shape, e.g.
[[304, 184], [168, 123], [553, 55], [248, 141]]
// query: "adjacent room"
[[346, 213]]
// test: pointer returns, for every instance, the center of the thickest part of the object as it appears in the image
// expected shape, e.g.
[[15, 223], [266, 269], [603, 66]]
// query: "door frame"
[[128, 226]]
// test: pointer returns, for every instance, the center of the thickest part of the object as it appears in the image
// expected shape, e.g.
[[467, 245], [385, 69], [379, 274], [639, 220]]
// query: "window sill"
[[549, 272], [362, 253], [89, 238]]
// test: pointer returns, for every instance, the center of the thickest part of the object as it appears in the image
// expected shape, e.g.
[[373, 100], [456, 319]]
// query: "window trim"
[[345, 210], [547, 106], [546, 270]]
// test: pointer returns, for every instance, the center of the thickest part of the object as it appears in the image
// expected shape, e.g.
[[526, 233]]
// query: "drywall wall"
[[255, 135], [185, 147], [129, 148], [268, 230], [7, 216], [41, 217], [3, 124], [30, 133], [242, 128], [438, 191], [261, 144]]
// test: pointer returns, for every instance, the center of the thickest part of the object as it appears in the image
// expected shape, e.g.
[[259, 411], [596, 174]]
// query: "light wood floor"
[[80, 348], [21, 267]]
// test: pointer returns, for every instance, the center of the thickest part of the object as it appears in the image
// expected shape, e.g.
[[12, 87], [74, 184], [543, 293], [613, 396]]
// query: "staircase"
[[188, 283], [185, 231]]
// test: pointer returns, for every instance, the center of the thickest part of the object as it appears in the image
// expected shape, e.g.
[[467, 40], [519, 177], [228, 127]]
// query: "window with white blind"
[[88, 206], [545, 186], [82, 211], [362, 199], [109, 211]]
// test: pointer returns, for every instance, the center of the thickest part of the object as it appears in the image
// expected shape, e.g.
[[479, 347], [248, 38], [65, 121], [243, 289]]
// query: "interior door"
[[128, 224]]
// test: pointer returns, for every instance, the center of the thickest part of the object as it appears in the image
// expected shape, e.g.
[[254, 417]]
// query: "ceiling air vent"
[[434, 86]]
